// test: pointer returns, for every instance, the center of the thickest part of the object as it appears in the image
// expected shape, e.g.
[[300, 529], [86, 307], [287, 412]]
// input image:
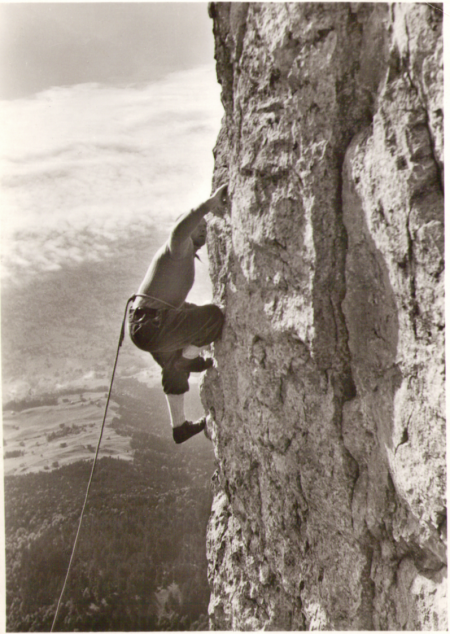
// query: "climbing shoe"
[[199, 364], [187, 430]]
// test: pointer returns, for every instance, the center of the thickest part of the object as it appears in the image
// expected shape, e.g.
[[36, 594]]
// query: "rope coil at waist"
[[136, 314], [140, 311]]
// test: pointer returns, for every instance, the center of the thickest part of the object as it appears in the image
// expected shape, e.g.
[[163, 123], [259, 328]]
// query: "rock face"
[[329, 402]]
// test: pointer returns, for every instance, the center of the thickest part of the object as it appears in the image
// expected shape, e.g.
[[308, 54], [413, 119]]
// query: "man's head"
[[199, 234]]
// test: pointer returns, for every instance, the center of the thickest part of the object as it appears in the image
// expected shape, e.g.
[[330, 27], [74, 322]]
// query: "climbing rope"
[[121, 338]]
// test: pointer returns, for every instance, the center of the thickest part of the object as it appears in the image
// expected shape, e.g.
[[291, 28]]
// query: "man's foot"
[[187, 430], [199, 364]]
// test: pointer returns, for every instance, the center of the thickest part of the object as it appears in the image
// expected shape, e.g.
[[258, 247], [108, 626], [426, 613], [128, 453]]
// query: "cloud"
[[85, 167]]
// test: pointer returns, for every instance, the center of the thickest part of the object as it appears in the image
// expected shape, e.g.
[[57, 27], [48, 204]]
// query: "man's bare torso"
[[167, 279]]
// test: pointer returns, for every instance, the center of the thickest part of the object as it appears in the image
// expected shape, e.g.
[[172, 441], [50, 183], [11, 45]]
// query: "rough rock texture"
[[329, 403]]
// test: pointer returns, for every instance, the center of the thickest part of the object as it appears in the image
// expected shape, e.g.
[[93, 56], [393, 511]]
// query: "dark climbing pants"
[[165, 332]]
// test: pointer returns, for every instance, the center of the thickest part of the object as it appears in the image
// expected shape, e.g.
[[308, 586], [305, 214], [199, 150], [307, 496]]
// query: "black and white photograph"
[[223, 316]]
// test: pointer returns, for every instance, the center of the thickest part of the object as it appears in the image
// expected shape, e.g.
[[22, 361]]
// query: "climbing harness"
[[121, 338]]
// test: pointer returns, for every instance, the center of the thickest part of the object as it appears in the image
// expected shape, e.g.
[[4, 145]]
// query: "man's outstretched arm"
[[179, 241]]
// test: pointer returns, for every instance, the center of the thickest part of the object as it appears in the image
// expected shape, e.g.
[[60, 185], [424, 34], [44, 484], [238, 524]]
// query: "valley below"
[[141, 562]]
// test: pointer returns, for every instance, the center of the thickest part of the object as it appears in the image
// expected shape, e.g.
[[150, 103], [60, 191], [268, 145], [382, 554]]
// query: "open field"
[[51, 436]]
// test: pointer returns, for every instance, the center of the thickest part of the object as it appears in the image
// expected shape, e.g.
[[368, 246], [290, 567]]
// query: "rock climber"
[[161, 322]]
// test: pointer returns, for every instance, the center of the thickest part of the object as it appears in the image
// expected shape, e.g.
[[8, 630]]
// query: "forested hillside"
[[140, 562]]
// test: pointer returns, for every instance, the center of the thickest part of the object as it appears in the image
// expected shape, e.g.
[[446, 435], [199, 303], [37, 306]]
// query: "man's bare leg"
[[192, 361], [182, 429], [191, 351]]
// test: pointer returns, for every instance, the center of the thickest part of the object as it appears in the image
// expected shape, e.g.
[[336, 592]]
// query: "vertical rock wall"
[[329, 432]]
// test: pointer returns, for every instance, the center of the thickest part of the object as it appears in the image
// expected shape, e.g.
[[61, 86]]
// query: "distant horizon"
[[75, 181]]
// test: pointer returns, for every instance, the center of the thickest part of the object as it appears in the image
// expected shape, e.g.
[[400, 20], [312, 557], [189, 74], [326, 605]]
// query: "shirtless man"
[[161, 321]]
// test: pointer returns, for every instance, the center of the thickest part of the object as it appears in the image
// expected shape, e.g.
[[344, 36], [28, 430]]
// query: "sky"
[[55, 44], [109, 116]]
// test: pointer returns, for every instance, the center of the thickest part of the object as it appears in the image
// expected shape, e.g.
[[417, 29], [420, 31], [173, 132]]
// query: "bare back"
[[167, 279], [171, 273]]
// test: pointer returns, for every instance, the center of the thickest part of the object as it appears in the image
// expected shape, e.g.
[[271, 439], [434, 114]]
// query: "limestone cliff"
[[329, 402]]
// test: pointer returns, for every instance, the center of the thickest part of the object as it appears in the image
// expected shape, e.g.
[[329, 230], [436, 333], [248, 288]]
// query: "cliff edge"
[[329, 402]]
